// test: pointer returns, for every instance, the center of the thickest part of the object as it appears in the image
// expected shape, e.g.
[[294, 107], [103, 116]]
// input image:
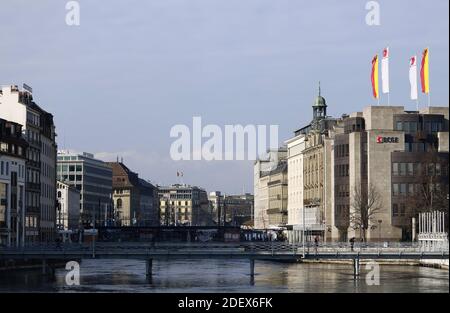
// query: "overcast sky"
[[117, 83]]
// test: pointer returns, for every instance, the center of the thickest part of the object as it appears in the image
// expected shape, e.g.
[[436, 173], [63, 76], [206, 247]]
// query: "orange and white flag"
[[374, 77], [424, 72]]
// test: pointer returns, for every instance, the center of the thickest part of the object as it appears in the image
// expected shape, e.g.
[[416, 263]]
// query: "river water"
[[226, 276]]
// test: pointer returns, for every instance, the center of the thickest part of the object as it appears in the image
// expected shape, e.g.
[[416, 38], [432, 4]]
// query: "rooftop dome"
[[320, 101]]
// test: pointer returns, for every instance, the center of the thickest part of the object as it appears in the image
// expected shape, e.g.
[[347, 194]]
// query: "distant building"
[[238, 209], [12, 183], [68, 212], [93, 178], [215, 199], [136, 202], [235, 210], [270, 190], [39, 131], [184, 205]]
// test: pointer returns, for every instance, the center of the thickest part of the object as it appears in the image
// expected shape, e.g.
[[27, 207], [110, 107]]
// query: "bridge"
[[252, 251]]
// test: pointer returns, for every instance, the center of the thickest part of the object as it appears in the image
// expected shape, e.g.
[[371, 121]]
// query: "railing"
[[274, 247]]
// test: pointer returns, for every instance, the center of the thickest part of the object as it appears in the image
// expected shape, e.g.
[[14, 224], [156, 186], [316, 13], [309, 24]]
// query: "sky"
[[117, 83]]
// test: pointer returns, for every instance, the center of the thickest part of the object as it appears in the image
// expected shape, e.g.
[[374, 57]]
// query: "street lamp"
[[379, 230]]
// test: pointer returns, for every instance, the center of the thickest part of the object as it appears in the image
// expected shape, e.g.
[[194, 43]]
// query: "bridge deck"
[[256, 251]]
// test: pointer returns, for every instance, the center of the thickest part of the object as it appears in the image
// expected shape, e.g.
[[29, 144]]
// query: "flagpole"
[[429, 89]]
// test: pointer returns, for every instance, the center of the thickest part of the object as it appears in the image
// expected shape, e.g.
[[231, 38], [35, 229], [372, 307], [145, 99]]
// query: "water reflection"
[[225, 276]]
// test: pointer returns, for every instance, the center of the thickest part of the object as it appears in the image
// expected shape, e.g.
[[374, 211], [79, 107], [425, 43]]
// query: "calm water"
[[226, 276]]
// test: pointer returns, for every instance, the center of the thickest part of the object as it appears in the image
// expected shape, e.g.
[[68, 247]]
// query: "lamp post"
[[379, 230]]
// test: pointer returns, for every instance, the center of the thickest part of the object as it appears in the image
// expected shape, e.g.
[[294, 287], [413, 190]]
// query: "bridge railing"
[[274, 247]]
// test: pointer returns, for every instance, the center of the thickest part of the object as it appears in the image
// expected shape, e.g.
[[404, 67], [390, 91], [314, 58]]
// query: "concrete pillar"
[[148, 267], [413, 229]]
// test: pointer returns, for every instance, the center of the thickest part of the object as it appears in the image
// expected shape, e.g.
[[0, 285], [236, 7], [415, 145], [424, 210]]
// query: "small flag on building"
[[413, 77], [374, 77], [424, 72], [385, 71]]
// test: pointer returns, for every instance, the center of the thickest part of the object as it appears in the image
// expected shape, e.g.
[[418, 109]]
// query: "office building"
[[93, 179]]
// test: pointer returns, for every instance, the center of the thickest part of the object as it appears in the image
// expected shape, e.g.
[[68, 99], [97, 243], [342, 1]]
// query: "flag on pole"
[[424, 72], [413, 77], [385, 71], [374, 76]]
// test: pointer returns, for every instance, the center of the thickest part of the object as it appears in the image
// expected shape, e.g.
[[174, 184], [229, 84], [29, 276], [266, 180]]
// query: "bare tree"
[[431, 190], [366, 205]]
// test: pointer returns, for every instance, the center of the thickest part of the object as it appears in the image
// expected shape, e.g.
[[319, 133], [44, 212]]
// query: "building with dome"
[[307, 174]]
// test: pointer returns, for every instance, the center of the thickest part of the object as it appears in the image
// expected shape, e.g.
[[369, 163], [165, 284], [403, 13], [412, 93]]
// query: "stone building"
[[136, 201], [270, 190], [184, 205], [309, 175], [399, 155], [12, 183], [39, 131]]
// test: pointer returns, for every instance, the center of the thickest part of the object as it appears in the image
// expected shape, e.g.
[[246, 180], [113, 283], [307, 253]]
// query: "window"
[[403, 189], [438, 169], [4, 147], [395, 189], [395, 209], [399, 126], [402, 209], [395, 169], [402, 169], [119, 203], [411, 189], [410, 169]]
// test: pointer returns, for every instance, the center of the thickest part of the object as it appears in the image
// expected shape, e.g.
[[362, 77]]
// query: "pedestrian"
[[316, 243], [352, 243]]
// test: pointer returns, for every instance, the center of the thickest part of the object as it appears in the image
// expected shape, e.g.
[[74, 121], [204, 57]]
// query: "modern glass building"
[[93, 178]]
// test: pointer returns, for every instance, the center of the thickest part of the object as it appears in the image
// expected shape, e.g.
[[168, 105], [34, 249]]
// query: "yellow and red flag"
[[374, 77], [424, 72]]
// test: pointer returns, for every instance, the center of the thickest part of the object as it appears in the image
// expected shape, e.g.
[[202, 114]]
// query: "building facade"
[[136, 202], [399, 158], [93, 179], [68, 212], [270, 190], [39, 131], [309, 175], [184, 205], [12, 183], [235, 210]]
